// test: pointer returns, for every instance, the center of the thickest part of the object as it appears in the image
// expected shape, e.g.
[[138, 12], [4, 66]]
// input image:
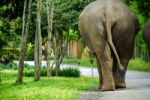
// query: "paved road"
[[138, 86]]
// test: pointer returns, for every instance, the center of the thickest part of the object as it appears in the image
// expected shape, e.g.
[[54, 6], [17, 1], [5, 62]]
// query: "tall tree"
[[50, 7], [25, 29], [38, 42]]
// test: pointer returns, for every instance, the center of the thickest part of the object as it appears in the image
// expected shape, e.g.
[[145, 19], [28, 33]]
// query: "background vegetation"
[[65, 28], [65, 15]]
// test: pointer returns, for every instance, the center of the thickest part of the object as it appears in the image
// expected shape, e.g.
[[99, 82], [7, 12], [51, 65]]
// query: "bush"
[[66, 72], [43, 71], [7, 55], [26, 65], [70, 72], [29, 72], [8, 66]]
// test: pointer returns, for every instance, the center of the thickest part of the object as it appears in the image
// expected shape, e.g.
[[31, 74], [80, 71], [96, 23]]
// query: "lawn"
[[54, 88], [75, 61]]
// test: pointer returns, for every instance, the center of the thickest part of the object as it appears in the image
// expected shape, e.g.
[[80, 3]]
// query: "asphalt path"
[[138, 85]]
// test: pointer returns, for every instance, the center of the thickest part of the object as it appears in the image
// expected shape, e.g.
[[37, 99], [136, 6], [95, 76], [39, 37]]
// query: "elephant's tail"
[[110, 42]]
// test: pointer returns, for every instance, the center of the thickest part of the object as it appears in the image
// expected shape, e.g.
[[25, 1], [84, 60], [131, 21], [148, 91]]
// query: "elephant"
[[146, 35], [108, 28]]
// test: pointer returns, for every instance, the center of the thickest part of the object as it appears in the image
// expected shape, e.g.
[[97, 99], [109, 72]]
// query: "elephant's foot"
[[108, 86], [119, 82], [108, 83], [120, 85]]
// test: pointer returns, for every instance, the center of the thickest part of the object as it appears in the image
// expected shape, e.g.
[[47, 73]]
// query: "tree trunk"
[[57, 52], [50, 7], [25, 29], [38, 43], [24, 17], [60, 51]]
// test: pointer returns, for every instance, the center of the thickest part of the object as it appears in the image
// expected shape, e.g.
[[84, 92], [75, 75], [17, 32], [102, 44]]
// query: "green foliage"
[[71, 35], [139, 64], [29, 72], [4, 9], [30, 52], [142, 6], [8, 66], [70, 72], [9, 32], [69, 11], [43, 71], [7, 55], [66, 72], [140, 44], [10, 28], [9, 37], [66, 13], [53, 88]]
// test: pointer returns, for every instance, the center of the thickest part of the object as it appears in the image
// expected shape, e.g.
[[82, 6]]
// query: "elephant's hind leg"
[[103, 54], [119, 82], [100, 73]]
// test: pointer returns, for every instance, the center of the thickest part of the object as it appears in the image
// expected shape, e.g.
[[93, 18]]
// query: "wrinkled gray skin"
[[146, 35], [109, 27]]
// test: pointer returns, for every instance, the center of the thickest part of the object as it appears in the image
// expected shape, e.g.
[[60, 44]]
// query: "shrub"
[[53, 73], [8, 66], [2, 66], [29, 72], [7, 55], [70, 72], [66, 72], [26, 65], [43, 71]]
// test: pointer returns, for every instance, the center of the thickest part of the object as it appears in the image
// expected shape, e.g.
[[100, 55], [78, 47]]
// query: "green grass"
[[75, 61], [138, 64], [54, 88], [134, 64]]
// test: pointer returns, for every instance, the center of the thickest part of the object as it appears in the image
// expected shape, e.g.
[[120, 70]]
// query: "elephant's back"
[[99, 9], [99, 12]]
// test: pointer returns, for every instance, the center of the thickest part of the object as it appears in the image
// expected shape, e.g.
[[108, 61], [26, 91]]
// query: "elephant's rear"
[[111, 12]]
